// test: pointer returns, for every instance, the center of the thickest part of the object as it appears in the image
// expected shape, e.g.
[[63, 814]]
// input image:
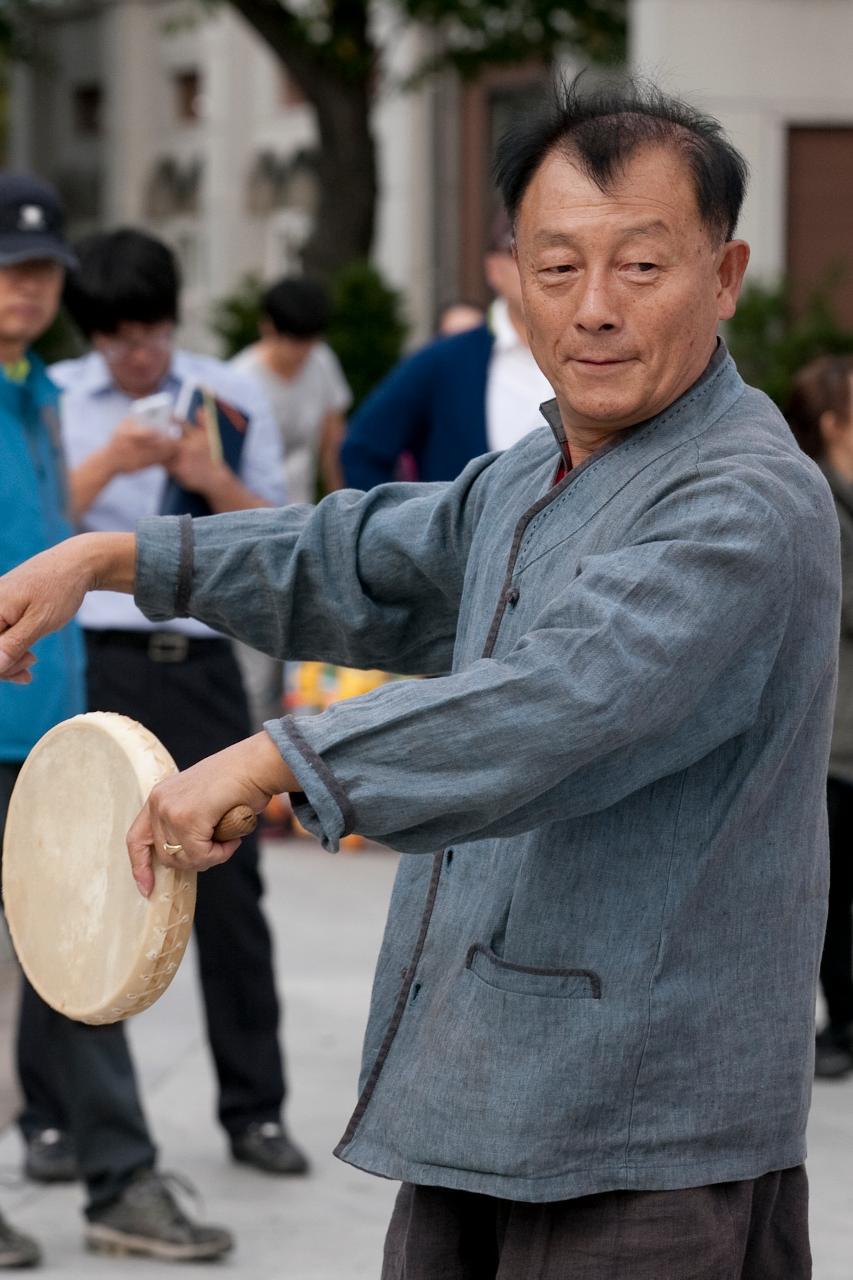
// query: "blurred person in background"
[[458, 317], [309, 395], [33, 496], [182, 682], [820, 413], [458, 397], [304, 383]]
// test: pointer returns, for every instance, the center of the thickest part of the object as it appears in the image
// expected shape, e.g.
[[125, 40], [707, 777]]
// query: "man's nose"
[[596, 310]]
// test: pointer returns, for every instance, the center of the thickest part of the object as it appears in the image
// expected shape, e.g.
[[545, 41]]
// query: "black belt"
[[159, 646]]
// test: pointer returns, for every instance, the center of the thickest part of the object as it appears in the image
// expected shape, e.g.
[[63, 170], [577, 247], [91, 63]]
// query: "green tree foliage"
[[234, 318], [771, 339], [368, 327]]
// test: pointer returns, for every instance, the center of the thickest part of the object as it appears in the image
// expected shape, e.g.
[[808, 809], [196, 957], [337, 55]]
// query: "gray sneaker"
[[17, 1250], [147, 1222]]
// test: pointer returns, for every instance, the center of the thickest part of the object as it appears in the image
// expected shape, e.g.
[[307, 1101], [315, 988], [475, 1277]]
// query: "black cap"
[[31, 221]]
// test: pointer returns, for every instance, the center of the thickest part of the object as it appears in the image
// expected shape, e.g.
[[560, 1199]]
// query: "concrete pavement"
[[328, 914]]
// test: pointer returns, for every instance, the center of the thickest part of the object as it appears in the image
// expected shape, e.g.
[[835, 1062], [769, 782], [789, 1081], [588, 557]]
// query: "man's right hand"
[[132, 447], [42, 594]]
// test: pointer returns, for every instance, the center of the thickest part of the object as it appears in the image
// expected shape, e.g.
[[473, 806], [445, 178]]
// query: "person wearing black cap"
[[89, 1068]]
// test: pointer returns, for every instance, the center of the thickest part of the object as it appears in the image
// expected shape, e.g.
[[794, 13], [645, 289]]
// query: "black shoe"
[[267, 1146], [50, 1157], [834, 1052], [147, 1222], [17, 1250]]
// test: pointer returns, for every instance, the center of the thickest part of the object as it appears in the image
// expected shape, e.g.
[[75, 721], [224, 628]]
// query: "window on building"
[[87, 102], [187, 96], [820, 191]]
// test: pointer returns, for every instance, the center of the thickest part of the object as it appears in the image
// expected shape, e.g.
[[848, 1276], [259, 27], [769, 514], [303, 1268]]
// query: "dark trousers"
[[836, 966], [755, 1230], [196, 707]]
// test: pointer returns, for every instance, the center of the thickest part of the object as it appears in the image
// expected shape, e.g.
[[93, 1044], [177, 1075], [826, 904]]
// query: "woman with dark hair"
[[820, 413]]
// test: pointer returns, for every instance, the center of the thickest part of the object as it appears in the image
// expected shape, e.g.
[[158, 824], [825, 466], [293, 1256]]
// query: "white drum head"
[[90, 944]]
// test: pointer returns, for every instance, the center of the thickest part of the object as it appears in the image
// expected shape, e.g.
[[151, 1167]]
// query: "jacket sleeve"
[[655, 654], [362, 580], [388, 423]]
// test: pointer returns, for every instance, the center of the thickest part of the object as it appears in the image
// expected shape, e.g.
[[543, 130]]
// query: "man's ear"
[[731, 267]]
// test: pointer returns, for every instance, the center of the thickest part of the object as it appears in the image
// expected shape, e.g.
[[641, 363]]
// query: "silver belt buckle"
[[168, 646]]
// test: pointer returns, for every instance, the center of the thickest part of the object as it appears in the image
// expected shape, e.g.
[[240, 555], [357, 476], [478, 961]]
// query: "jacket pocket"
[[528, 980]]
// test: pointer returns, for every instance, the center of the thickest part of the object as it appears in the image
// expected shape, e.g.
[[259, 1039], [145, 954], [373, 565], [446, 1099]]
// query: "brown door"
[[820, 217]]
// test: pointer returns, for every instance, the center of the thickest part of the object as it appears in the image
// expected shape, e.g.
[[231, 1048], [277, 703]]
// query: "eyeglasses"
[[154, 340]]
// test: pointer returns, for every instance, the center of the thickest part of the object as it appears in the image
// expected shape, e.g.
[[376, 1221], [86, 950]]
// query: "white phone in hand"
[[156, 412]]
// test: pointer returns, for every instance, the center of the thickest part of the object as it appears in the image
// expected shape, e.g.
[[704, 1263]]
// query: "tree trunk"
[[340, 96], [344, 225]]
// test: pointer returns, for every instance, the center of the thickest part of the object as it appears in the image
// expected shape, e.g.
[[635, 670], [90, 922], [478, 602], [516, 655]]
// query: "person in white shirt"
[[181, 680], [304, 383], [458, 397]]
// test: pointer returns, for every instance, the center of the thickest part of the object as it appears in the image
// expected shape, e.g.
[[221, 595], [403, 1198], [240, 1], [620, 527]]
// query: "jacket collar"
[[715, 389]]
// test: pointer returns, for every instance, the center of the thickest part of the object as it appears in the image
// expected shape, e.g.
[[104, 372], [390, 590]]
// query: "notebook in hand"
[[226, 428]]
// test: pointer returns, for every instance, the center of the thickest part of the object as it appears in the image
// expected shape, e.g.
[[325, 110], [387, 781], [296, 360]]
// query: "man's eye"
[[643, 267], [560, 269]]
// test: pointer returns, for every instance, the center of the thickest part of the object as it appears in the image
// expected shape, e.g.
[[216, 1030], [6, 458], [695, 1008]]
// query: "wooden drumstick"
[[236, 823]]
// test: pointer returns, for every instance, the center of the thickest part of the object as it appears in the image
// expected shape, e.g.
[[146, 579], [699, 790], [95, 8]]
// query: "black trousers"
[[836, 965], [755, 1230], [196, 707]]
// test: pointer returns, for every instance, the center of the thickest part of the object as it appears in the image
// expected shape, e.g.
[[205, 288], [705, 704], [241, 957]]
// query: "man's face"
[[622, 290], [288, 353], [29, 299], [138, 355]]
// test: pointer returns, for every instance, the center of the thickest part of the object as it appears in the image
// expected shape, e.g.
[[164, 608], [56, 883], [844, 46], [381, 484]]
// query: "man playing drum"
[[589, 1050]]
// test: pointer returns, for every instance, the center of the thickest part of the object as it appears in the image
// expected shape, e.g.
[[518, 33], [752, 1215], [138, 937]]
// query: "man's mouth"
[[598, 363]]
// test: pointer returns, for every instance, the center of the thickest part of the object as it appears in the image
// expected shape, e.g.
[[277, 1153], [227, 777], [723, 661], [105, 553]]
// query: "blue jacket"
[[432, 405], [33, 507], [601, 954]]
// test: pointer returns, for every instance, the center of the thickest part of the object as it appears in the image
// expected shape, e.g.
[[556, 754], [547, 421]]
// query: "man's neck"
[[283, 366], [12, 352]]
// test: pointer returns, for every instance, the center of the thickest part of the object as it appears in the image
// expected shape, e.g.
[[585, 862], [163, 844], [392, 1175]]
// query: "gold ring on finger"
[[172, 849]]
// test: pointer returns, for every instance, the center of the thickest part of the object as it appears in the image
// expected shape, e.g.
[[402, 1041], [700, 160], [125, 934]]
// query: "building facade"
[[777, 74]]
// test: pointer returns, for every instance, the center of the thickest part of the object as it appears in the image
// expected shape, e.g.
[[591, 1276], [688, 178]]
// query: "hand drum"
[[90, 944]]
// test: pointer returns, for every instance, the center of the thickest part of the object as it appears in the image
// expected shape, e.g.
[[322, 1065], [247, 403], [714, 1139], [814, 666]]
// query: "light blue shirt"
[[91, 408]]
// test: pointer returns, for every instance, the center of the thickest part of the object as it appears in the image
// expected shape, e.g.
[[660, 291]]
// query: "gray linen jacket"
[[600, 959]]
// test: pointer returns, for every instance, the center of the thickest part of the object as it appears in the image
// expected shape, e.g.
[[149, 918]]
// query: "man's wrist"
[[110, 560], [269, 770]]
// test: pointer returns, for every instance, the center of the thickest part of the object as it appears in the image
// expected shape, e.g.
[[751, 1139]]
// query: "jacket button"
[[512, 597]]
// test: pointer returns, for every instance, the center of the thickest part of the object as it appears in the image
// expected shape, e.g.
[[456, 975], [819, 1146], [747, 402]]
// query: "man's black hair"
[[297, 308], [600, 129], [124, 276]]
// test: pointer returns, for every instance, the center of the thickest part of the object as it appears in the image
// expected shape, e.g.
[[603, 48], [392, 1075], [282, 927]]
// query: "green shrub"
[[62, 341], [368, 326], [234, 318], [770, 340]]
